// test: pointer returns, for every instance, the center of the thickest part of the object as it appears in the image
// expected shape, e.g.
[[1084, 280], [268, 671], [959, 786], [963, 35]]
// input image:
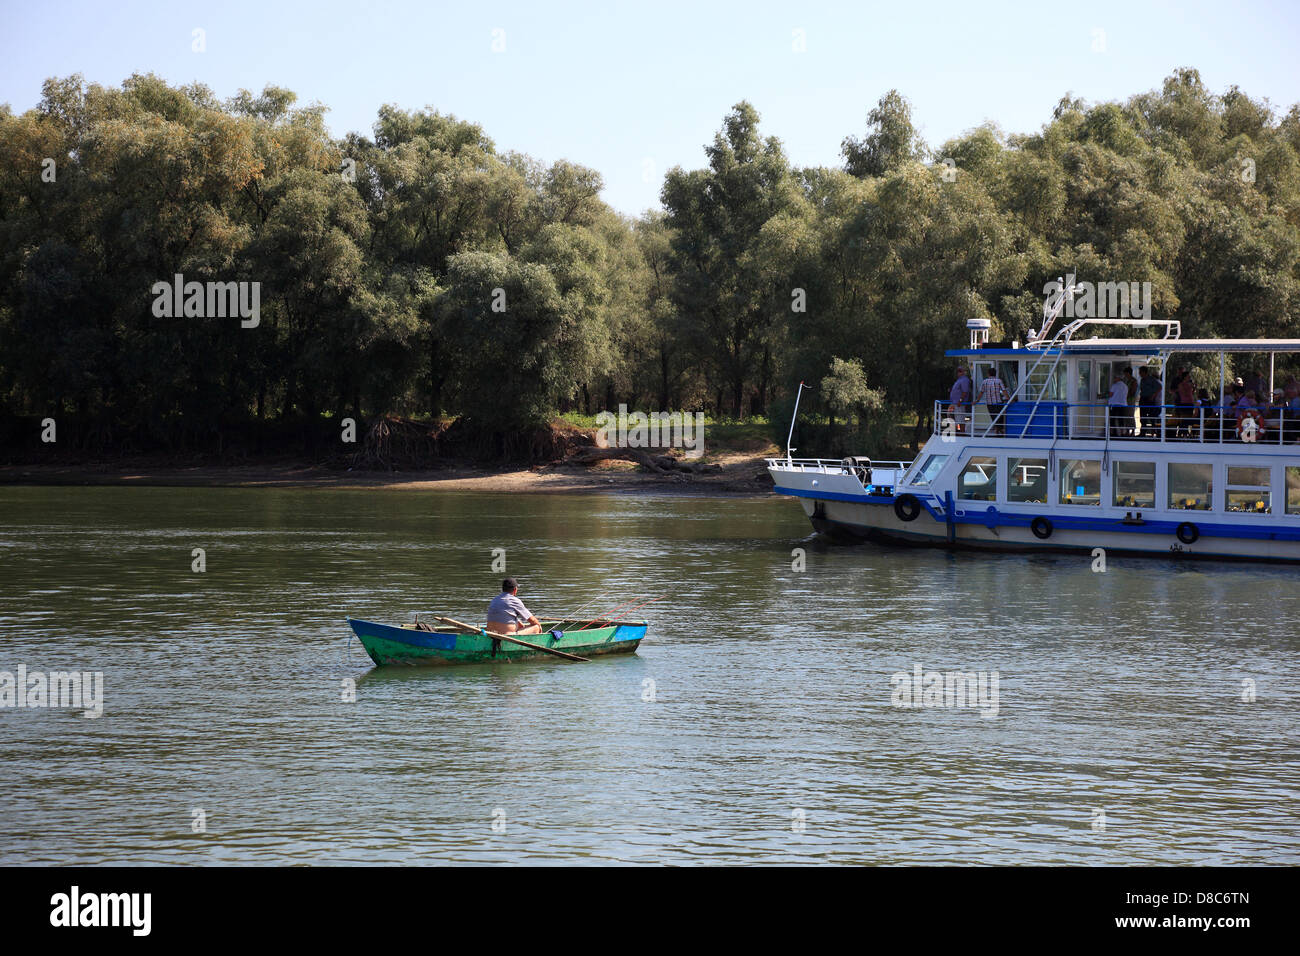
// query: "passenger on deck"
[[1117, 406], [993, 393], [507, 614], [1131, 409], [1150, 392], [1131, 413], [1185, 399], [1273, 412], [1248, 406], [959, 399], [1216, 409], [1205, 415], [1228, 408], [1291, 411]]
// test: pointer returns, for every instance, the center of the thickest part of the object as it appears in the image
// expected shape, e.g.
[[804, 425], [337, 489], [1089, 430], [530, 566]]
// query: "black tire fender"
[[1188, 533], [907, 507], [1041, 527]]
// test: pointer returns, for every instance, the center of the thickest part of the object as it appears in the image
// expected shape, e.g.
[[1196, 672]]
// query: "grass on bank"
[[758, 435]]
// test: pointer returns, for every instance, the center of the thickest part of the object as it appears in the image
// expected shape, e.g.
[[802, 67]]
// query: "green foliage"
[[505, 363], [730, 225], [891, 140], [379, 259], [845, 391]]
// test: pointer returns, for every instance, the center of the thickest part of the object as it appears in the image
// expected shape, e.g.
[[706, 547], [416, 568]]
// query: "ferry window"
[[1027, 479], [1051, 390], [1080, 482], [933, 465], [1293, 491], [1249, 490], [1135, 484], [979, 480], [1190, 486], [1009, 372]]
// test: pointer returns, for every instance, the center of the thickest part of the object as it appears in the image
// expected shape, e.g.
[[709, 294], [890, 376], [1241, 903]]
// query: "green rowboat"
[[422, 646]]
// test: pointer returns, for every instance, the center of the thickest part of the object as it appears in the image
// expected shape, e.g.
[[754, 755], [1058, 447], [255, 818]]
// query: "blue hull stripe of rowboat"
[[992, 518], [403, 635]]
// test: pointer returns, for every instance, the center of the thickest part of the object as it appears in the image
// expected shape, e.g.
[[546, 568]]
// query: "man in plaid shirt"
[[993, 394]]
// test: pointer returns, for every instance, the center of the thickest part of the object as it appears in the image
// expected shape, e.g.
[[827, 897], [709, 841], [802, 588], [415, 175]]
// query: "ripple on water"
[[771, 734]]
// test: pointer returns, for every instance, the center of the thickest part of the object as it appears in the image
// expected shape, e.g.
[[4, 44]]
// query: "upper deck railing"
[[1204, 424]]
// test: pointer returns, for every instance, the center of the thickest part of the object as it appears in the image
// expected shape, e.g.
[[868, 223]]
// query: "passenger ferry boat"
[[1055, 468]]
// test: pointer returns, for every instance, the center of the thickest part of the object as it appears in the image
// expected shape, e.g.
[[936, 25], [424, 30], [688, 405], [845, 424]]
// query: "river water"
[[1147, 714]]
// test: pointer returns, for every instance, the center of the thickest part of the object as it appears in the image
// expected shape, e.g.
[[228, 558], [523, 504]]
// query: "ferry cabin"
[[1056, 468]]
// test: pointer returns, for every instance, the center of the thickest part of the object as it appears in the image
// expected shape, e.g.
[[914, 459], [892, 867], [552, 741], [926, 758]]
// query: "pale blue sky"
[[632, 89]]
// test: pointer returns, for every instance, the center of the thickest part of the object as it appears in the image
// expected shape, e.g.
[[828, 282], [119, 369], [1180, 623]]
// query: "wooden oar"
[[512, 639]]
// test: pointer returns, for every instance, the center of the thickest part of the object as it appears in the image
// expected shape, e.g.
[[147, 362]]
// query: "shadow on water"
[[501, 671]]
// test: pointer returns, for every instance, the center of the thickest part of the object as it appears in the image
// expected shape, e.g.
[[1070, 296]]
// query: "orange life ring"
[[1257, 416]]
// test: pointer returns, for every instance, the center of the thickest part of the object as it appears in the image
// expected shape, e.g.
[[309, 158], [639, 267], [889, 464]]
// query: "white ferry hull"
[[877, 522]]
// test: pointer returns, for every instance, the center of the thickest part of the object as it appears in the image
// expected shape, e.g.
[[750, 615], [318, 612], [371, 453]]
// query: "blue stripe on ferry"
[[863, 499], [1148, 526], [1068, 522]]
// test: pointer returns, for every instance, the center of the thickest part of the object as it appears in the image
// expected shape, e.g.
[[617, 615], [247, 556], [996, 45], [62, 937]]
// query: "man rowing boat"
[[507, 614]]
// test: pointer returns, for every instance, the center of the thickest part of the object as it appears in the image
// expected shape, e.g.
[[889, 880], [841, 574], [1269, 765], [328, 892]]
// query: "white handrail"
[[833, 464]]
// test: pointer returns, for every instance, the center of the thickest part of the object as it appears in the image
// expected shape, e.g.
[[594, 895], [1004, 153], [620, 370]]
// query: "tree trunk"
[[764, 381], [309, 426], [436, 379], [588, 456], [663, 380]]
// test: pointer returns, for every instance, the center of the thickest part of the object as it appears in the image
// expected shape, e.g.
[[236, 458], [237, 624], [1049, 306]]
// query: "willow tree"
[[891, 141], [717, 215]]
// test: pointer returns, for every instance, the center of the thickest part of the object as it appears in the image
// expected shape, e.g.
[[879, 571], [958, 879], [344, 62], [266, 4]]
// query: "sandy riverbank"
[[740, 474]]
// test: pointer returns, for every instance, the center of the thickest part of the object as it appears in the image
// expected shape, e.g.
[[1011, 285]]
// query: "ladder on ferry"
[[1038, 378]]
